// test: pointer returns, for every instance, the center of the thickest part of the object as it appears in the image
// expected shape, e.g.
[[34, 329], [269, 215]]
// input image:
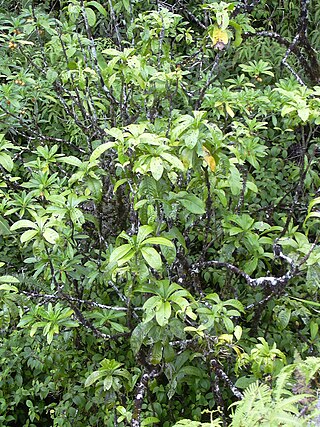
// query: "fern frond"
[[282, 382], [287, 404], [250, 409], [309, 367], [286, 420]]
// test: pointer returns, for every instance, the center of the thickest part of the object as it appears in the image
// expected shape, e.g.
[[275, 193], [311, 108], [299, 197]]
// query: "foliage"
[[159, 195]]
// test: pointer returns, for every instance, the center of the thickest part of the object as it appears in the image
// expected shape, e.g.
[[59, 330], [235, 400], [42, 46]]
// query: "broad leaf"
[[151, 257], [50, 235], [156, 168], [6, 162], [158, 241], [193, 204], [23, 223], [119, 253], [163, 313], [28, 235]]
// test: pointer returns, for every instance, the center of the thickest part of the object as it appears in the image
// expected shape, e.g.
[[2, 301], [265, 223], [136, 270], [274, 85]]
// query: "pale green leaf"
[[6, 162], [4, 227], [50, 336], [175, 162], [50, 235], [28, 235], [107, 383], [237, 332], [143, 232], [163, 313], [92, 378], [9, 279], [158, 241], [71, 160], [304, 113], [156, 168], [91, 17], [149, 420], [101, 149], [9, 288], [120, 253], [23, 223], [152, 257]]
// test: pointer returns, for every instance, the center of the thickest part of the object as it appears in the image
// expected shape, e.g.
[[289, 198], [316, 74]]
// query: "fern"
[[282, 381], [253, 402], [309, 367], [270, 407]]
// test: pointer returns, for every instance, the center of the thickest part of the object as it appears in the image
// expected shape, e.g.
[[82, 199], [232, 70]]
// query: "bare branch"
[[139, 395]]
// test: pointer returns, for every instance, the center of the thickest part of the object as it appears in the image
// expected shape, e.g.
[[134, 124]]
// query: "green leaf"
[[235, 181], [149, 420], [228, 324], [313, 303], [119, 183], [107, 383], [100, 150], [23, 223], [169, 253], [140, 204], [152, 257], [51, 75], [6, 162], [314, 328], [163, 313], [28, 235], [4, 227], [98, 6], [71, 160], [50, 235], [158, 241], [193, 204], [91, 17], [156, 167], [138, 335], [92, 378], [283, 318], [175, 162], [244, 382], [9, 288], [191, 370], [119, 253], [9, 279], [143, 232], [156, 354]]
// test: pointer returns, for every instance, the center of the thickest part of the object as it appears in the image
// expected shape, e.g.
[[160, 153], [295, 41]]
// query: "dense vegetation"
[[159, 213]]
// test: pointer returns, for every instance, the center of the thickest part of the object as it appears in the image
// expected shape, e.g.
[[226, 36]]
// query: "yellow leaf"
[[225, 338], [237, 350], [218, 37], [229, 110], [209, 159]]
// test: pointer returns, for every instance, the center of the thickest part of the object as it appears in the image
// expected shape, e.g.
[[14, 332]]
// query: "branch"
[[271, 281], [224, 377], [94, 304], [139, 395]]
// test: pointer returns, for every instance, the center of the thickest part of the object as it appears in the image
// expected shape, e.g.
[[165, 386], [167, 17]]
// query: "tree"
[[159, 187]]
